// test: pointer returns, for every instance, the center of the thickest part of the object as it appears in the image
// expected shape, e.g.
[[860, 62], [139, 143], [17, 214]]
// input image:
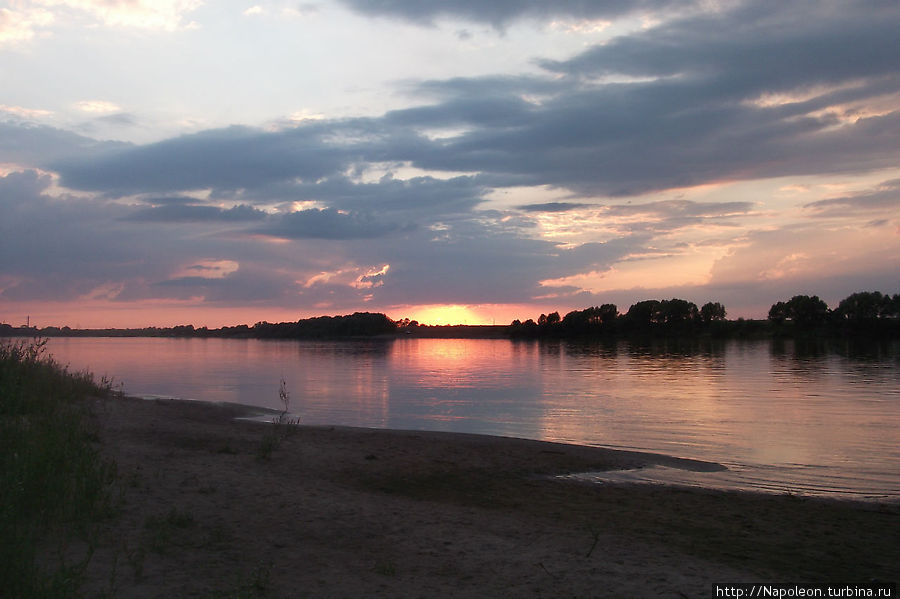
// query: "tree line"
[[862, 312], [358, 324], [865, 312]]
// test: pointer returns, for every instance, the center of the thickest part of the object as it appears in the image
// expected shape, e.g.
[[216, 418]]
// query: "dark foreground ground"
[[216, 507]]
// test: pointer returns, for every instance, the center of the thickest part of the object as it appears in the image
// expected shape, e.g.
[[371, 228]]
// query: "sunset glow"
[[444, 315]]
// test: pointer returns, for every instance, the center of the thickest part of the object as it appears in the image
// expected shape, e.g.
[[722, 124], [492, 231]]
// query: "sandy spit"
[[342, 512]]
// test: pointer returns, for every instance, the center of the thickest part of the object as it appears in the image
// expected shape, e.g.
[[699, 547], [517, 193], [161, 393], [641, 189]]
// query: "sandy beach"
[[341, 512]]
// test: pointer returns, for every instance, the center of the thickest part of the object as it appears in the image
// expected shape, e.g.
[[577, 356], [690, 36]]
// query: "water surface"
[[783, 417]]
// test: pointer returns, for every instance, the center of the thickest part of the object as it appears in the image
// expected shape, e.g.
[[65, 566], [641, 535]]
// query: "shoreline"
[[345, 512], [630, 458], [650, 467]]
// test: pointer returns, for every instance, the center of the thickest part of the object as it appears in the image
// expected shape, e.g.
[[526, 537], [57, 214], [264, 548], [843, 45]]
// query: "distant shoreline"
[[868, 313], [742, 329]]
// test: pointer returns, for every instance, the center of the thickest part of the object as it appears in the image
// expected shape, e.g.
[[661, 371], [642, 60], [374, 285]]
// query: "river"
[[783, 417]]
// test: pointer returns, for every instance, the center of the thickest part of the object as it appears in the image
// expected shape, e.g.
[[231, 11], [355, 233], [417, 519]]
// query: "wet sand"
[[343, 512]]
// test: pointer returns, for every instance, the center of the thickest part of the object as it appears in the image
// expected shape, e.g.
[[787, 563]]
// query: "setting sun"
[[446, 314]]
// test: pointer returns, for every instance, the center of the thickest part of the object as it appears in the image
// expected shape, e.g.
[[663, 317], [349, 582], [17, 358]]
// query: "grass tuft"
[[282, 425]]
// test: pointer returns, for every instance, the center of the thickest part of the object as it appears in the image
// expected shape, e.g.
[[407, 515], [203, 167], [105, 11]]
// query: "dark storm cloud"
[[500, 13]]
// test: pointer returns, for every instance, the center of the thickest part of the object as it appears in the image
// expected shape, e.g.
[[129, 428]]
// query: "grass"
[[282, 425], [54, 485]]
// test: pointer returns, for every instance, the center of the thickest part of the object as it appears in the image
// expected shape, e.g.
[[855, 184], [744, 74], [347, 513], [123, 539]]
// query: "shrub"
[[54, 484]]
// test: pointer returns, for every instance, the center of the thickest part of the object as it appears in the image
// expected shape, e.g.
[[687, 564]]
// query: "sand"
[[342, 512]]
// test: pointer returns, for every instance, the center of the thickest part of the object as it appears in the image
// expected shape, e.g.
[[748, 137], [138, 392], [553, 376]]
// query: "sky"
[[218, 163]]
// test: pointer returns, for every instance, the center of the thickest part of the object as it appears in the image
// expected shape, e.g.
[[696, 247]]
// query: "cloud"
[[500, 13], [66, 248], [25, 113], [254, 283], [170, 212], [690, 112], [57, 248], [423, 199], [372, 279], [21, 25], [231, 158], [97, 106], [755, 45], [681, 208], [884, 198], [165, 15], [301, 10], [38, 145], [812, 253], [121, 119], [696, 106], [328, 223], [552, 207]]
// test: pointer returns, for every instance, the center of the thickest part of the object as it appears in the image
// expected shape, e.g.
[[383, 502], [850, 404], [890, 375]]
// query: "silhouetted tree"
[[712, 311], [894, 310], [608, 314], [590, 321], [644, 314], [678, 311], [778, 313], [358, 324], [865, 305], [803, 310], [184, 330]]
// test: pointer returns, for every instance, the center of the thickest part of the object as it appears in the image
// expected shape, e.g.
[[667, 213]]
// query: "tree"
[[678, 311], [546, 321], [608, 314], [803, 310], [894, 306], [645, 313], [865, 305], [590, 321], [183, 330], [778, 313], [711, 311]]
